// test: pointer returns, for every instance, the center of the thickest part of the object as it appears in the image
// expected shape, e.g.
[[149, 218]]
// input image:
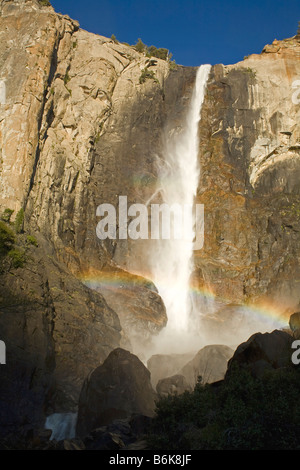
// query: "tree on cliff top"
[[44, 3]]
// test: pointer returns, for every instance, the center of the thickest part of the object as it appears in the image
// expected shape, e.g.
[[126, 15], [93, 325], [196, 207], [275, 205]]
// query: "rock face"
[[87, 131], [56, 331], [262, 352], [119, 388], [295, 324], [59, 85], [136, 301], [250, 164]]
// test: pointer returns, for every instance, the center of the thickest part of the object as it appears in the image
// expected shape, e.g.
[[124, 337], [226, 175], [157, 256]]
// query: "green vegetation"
[[241, 413], [172, 65], [17, 257], [140, 46], [250, 72], [67, 78], [6, 216], [114, 39], [31, 240], [160, 53], [146, 73], [7, 239], [19, 221], [14, 243], [44, 3], [152, 51]]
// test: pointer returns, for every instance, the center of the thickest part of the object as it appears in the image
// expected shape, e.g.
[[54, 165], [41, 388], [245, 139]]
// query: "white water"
[[178, 182], [62, 425]]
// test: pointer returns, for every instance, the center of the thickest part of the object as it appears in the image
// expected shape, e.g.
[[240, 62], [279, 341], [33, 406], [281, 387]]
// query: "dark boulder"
[[261, 352], [121, 433], [117, 389]]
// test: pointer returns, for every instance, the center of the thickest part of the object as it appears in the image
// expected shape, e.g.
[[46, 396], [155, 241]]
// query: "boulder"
[[56, 331], [263, 351], [137, 303], [294, 323], [210, 363], [166, 365], [175, 385], [121, 433], [117, 389]]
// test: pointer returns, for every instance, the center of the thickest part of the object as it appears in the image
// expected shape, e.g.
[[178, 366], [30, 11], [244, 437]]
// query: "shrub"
[[114, 39], [7, 238], [44, 3], [19, 221], [140, 46], [172, 65], [160, 53], [17, 257], [67, 78], [152, 51], [241, 413], [6, 216], [31, 240], [146, 73]]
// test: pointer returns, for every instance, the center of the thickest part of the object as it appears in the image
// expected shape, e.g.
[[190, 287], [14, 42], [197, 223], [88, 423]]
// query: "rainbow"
[[263, 311]]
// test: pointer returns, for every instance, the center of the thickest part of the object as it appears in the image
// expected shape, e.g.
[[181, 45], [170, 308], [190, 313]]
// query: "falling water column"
[[178, 180]]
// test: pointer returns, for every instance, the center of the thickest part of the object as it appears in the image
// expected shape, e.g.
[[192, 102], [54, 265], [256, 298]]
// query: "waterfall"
[[178, 179], [62, 425]]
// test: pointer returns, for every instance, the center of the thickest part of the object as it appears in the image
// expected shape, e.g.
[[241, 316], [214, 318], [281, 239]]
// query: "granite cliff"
[[80, 126]]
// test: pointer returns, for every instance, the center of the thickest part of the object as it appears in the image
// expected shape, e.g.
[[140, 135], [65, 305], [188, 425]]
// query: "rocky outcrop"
[[263, 352], [294, 324], [56, 331], [166, 365], [175, 373], [175, 385], [249, 153], [210, 363], [117, 389], [28, 55], [137, 303]]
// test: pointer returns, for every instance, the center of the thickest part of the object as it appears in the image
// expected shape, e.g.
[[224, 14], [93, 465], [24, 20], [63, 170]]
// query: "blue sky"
[[195, 31]]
